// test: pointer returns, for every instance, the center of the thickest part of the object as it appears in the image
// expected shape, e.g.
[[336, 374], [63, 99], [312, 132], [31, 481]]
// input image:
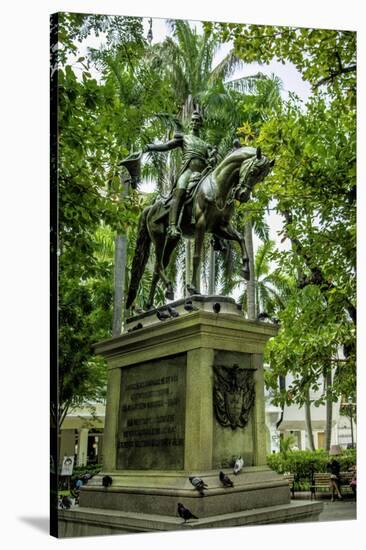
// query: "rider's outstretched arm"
[[168, 146]]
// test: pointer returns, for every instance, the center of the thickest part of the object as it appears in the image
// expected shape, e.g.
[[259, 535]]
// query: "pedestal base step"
[[96, 521]]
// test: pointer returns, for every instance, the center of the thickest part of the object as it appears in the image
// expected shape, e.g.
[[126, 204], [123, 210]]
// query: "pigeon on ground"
[[185, 513], [225, 480], [66, 502], [173, 312], [198, 484], [162, 315], [238, 466], [107, 481], [138, 326], [188, 306]]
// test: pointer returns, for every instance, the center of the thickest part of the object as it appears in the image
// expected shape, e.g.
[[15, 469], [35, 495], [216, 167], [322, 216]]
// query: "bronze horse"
[[209, 211]]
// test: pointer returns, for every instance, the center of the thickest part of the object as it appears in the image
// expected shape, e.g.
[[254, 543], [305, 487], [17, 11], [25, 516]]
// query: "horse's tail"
[[141, 256]]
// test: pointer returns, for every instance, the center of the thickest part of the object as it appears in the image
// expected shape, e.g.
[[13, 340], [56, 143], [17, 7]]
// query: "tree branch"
[[334, 74]]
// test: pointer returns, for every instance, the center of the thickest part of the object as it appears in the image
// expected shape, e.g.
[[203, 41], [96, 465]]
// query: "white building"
[[82, 434], [293, 424]]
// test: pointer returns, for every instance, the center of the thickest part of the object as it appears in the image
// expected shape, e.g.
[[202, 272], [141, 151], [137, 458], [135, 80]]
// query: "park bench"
[[345, 479], [321, 480], [291, 481]]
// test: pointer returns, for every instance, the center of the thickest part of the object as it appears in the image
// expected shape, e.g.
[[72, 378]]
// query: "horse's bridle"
[[236, 188]]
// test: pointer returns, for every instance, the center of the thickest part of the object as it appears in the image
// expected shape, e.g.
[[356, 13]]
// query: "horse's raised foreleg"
[[231, 234]]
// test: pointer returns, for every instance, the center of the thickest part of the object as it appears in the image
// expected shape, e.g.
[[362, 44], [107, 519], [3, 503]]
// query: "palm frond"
[[262, 259], [261, 228], [226, 67], [245, 84]]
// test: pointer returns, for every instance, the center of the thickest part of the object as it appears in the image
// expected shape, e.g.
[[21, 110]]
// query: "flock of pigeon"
[[168, 312], [200, 486], [197, 482]]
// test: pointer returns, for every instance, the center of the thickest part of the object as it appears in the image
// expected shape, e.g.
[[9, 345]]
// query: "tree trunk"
[[120, 261], [329, 408], [309, 428], [251, 282]]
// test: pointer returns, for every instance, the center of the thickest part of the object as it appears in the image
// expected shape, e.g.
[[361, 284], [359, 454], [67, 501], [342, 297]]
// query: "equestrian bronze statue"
[[208, 209]]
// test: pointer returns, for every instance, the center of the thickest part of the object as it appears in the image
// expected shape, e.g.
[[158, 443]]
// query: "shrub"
[[303, 463]]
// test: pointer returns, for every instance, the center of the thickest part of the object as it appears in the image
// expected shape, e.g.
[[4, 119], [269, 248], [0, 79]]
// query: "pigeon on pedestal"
[[107, 481], [198, 484], [238, 466], [162, 315], [172, 312], [188, 306], [185, 513], [225, 480]]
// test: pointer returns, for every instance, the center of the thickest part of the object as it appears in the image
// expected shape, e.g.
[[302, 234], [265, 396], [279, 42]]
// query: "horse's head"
[[252, 170]]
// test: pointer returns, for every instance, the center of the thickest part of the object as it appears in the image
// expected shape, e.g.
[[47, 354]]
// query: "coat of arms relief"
[[234, 394]]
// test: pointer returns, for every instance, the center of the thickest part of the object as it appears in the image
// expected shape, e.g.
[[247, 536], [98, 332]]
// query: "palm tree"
[[188, 58], [271, 287], [258, 105]]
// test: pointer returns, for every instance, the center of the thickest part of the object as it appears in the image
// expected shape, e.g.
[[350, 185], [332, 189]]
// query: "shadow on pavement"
[[39, 523]]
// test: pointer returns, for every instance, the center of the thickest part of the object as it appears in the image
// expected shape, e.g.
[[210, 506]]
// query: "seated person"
[[353, 482], [334, 468]]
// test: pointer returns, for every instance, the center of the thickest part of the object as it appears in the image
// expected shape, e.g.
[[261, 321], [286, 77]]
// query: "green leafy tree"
[[85, 156], [314, 187]]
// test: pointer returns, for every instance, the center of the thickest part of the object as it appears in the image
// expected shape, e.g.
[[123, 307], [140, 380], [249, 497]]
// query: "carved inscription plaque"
[[152, 411]]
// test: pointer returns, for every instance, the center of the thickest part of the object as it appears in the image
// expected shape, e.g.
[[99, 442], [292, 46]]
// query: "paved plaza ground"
[[338, 510], [334, 511]]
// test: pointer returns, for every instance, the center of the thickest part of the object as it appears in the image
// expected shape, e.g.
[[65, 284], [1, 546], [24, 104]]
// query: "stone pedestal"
[[185, 397]]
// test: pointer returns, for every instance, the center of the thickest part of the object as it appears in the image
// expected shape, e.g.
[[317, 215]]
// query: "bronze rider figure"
[[198, 157]]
